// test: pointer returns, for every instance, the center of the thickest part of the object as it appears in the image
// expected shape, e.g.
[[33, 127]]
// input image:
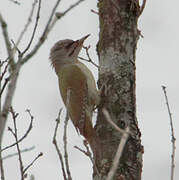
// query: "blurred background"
[[37, 89]]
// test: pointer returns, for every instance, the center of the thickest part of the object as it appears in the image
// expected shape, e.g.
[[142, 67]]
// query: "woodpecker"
[[74, 75]]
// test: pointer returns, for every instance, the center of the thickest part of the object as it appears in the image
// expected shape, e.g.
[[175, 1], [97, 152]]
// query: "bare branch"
[[43, 36], [125, 134], [56, 146], [3, 80], [35, 28], [2, 62], [65, 135], [15, 154], [1, 160], [39, 155], [15, 134], [95, 12], [60, 15], [46, 31], [4, 85], [88, 153], [142, 7], [15, 48], [15, 2], [26, 133], [108, 118], [31, 116], [8, 98], [173, 139], [14, 116], [89, 58], [49, 26], [7, 40], [81, 150], [118, 154], [14, 76], [1, 166], [29, 20], [4, 71]]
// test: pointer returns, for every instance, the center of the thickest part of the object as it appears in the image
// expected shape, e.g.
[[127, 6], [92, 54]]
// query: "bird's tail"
[[87, 131]]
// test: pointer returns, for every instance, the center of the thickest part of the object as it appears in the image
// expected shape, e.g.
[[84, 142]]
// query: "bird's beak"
[[80, 41]]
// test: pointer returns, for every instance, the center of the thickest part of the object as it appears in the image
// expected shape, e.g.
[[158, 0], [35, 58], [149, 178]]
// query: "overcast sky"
[[37, 89]]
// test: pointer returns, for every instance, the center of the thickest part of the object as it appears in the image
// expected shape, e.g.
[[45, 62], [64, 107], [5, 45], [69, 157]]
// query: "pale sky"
[[37, 89]]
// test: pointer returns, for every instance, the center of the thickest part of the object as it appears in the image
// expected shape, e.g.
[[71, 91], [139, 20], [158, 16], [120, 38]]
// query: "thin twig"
[[88, 153], [81, 150], [35, 28], [56, 146], [4, 71], [47, 29], [14, 116], [39, 155], [91, 158], [15, 154], [108, 118], [26, 133], [125, 134], [60, 15], [95, 12], [89, 58], [15, 2], [29, 20], [142, 7], [15, 134], [15, 48], [65, 135], [7, 40], [30, 115], [2, 74], [43, 36], [1, 166], [118, 154], [8, 99], [4, 85], [49, 26], [3, 62], [173, 139]]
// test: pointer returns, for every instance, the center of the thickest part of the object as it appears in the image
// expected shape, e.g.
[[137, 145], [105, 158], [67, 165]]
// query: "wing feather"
[[72, 77]]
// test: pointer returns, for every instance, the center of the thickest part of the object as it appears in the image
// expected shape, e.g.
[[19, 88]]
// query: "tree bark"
[[116, 50]]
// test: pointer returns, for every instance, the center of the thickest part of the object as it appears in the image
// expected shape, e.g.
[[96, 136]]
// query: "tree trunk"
[[116, 50]]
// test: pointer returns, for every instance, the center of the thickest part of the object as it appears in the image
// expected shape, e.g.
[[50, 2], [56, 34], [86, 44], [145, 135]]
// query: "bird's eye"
[[69, 45]]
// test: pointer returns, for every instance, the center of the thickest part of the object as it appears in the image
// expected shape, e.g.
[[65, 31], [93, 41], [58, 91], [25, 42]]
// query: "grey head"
[[65, 52]]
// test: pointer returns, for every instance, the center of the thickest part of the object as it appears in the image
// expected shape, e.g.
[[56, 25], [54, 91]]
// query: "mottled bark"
[[116, 50]]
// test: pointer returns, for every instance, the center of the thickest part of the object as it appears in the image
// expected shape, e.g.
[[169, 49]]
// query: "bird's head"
[[66, 51]]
